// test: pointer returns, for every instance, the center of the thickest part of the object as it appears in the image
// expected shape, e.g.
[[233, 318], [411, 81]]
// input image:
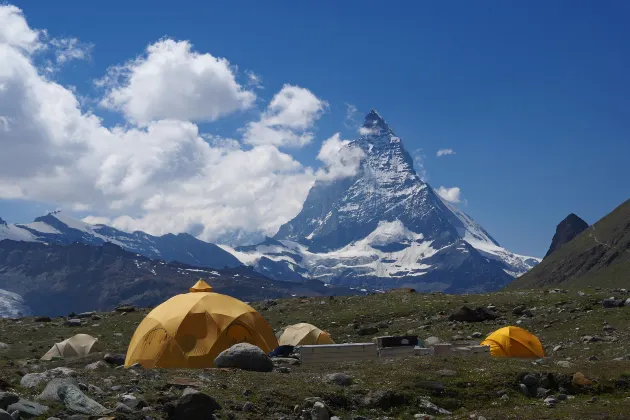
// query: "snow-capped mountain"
[[12, 305], [384, 227], [59, 228]]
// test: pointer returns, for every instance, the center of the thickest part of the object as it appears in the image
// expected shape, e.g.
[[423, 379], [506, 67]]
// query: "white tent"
[[78, 345]]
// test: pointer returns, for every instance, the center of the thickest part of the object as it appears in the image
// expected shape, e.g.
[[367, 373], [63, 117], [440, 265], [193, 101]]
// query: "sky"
[[213, 117]]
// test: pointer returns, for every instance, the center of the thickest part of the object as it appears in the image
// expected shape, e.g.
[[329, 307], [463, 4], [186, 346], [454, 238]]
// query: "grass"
[[559, 319]]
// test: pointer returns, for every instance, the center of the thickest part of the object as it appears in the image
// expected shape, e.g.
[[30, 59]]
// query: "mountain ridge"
[[567, 229]]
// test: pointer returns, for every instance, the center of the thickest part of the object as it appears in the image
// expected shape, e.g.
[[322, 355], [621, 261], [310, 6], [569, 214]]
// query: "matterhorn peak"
[[374, 124]]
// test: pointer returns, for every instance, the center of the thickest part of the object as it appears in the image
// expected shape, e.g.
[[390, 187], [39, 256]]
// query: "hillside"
[[599, 256], [391, 388], [57, 279]]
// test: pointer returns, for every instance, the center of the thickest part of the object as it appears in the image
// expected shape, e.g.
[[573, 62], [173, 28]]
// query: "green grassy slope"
[[599, 256]]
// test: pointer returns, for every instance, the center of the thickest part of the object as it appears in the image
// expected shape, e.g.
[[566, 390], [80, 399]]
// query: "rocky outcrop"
[[566, 230]]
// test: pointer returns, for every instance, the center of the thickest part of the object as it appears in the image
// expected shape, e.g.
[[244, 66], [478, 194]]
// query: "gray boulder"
[[115, 359], [51, 392], [612, 303], [432, 341], [244, 356], [32, 380], [196, 406], [76, 401], [340, 379], [75, 322], [7, 398], [4, 346], [4, 415], [320, 412], [28, 409], [97, 366]]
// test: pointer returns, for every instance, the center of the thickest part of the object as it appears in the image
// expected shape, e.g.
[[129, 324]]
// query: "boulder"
[[43, 319], [7, 398], [432, 341], [125, 308], [32, 380], [115, 359], [97, 366], [28, 409], [195, 406], [244, 356], [340, 379], [76, 401], [51, 391], [86, 315], [367, 331], [466, 314], [320, 411], [74, 322], [4, 415], [612, 303]]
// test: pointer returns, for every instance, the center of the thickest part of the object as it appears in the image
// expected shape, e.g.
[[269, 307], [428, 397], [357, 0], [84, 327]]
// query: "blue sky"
[[534, 99]]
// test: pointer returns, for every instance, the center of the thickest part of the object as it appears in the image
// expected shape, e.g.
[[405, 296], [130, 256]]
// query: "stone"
[[593, 358], [86, 315], [32, 380], [7, 398], [125, 308], [4, 415], [285, 361], [115, 359], [247, 407], [476, 334], [367, 331], [427, 405], [524, 390], [4, 346], [466, 314], [76, 401], [505, 397], [51, 391], [340, 379], [612, 303], [579, 379], [530, 380], [564, 363], [283, 369], [197, 406], [97, 366], [446, 372], [28, 409], [319, 412], [74, 322], [244, 356], [518, 311], [188, 391], [123, 408], [561, 397], [432, 341], [557, 348], [550, 401]]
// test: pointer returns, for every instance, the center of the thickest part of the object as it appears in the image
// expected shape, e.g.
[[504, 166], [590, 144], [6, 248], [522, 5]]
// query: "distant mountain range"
[[598, 256], [384, 227], [56, 279], [380, 228]]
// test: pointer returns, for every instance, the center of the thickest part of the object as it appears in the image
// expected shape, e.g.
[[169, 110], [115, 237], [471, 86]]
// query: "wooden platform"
[[335, 353]]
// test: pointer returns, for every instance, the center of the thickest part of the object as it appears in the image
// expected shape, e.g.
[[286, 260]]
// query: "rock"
[[197, 406], [564, 363], [97, 366], [476, 334], [550, 402], [524, 390], [28, 409], [340, 379], [593, 358], [86, 315], [76, 401], [612, 303], [4, 415], [7, 398], [285, 361], [427, 405], [423, 416], [561, 397], [431, 341], [283, 369], [319, 412], [125, 308], [557, 348], [383, 399], [367, 331], [43, 319], [466, 314], [579, 379], [530, 380], [247, 407], [4, 346], [446, 372], [518, 311], [591, 339], [542, 392], [188, 391], [115, 359], [244, 356], [74, 322], [51, 391], [123, 408], [32, 380], [95, 317], [505, 397]]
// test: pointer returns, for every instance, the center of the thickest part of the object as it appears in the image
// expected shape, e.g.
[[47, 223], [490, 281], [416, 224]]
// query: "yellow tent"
[[75, 346], [513, 342], [191, 329], [304, 334]]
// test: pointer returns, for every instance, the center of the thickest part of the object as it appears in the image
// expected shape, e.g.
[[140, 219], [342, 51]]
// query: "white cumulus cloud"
[[452, 195], [288, 119], [445, 152], [160, 175], [171, 81]]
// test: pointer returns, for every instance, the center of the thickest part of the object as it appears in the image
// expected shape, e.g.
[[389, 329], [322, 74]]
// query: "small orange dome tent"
[[513, 342], [191, 329], [304, 334]]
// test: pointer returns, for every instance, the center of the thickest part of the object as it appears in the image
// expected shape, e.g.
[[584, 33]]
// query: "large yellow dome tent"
[[304, 334], [191, 329], [514, 342]]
